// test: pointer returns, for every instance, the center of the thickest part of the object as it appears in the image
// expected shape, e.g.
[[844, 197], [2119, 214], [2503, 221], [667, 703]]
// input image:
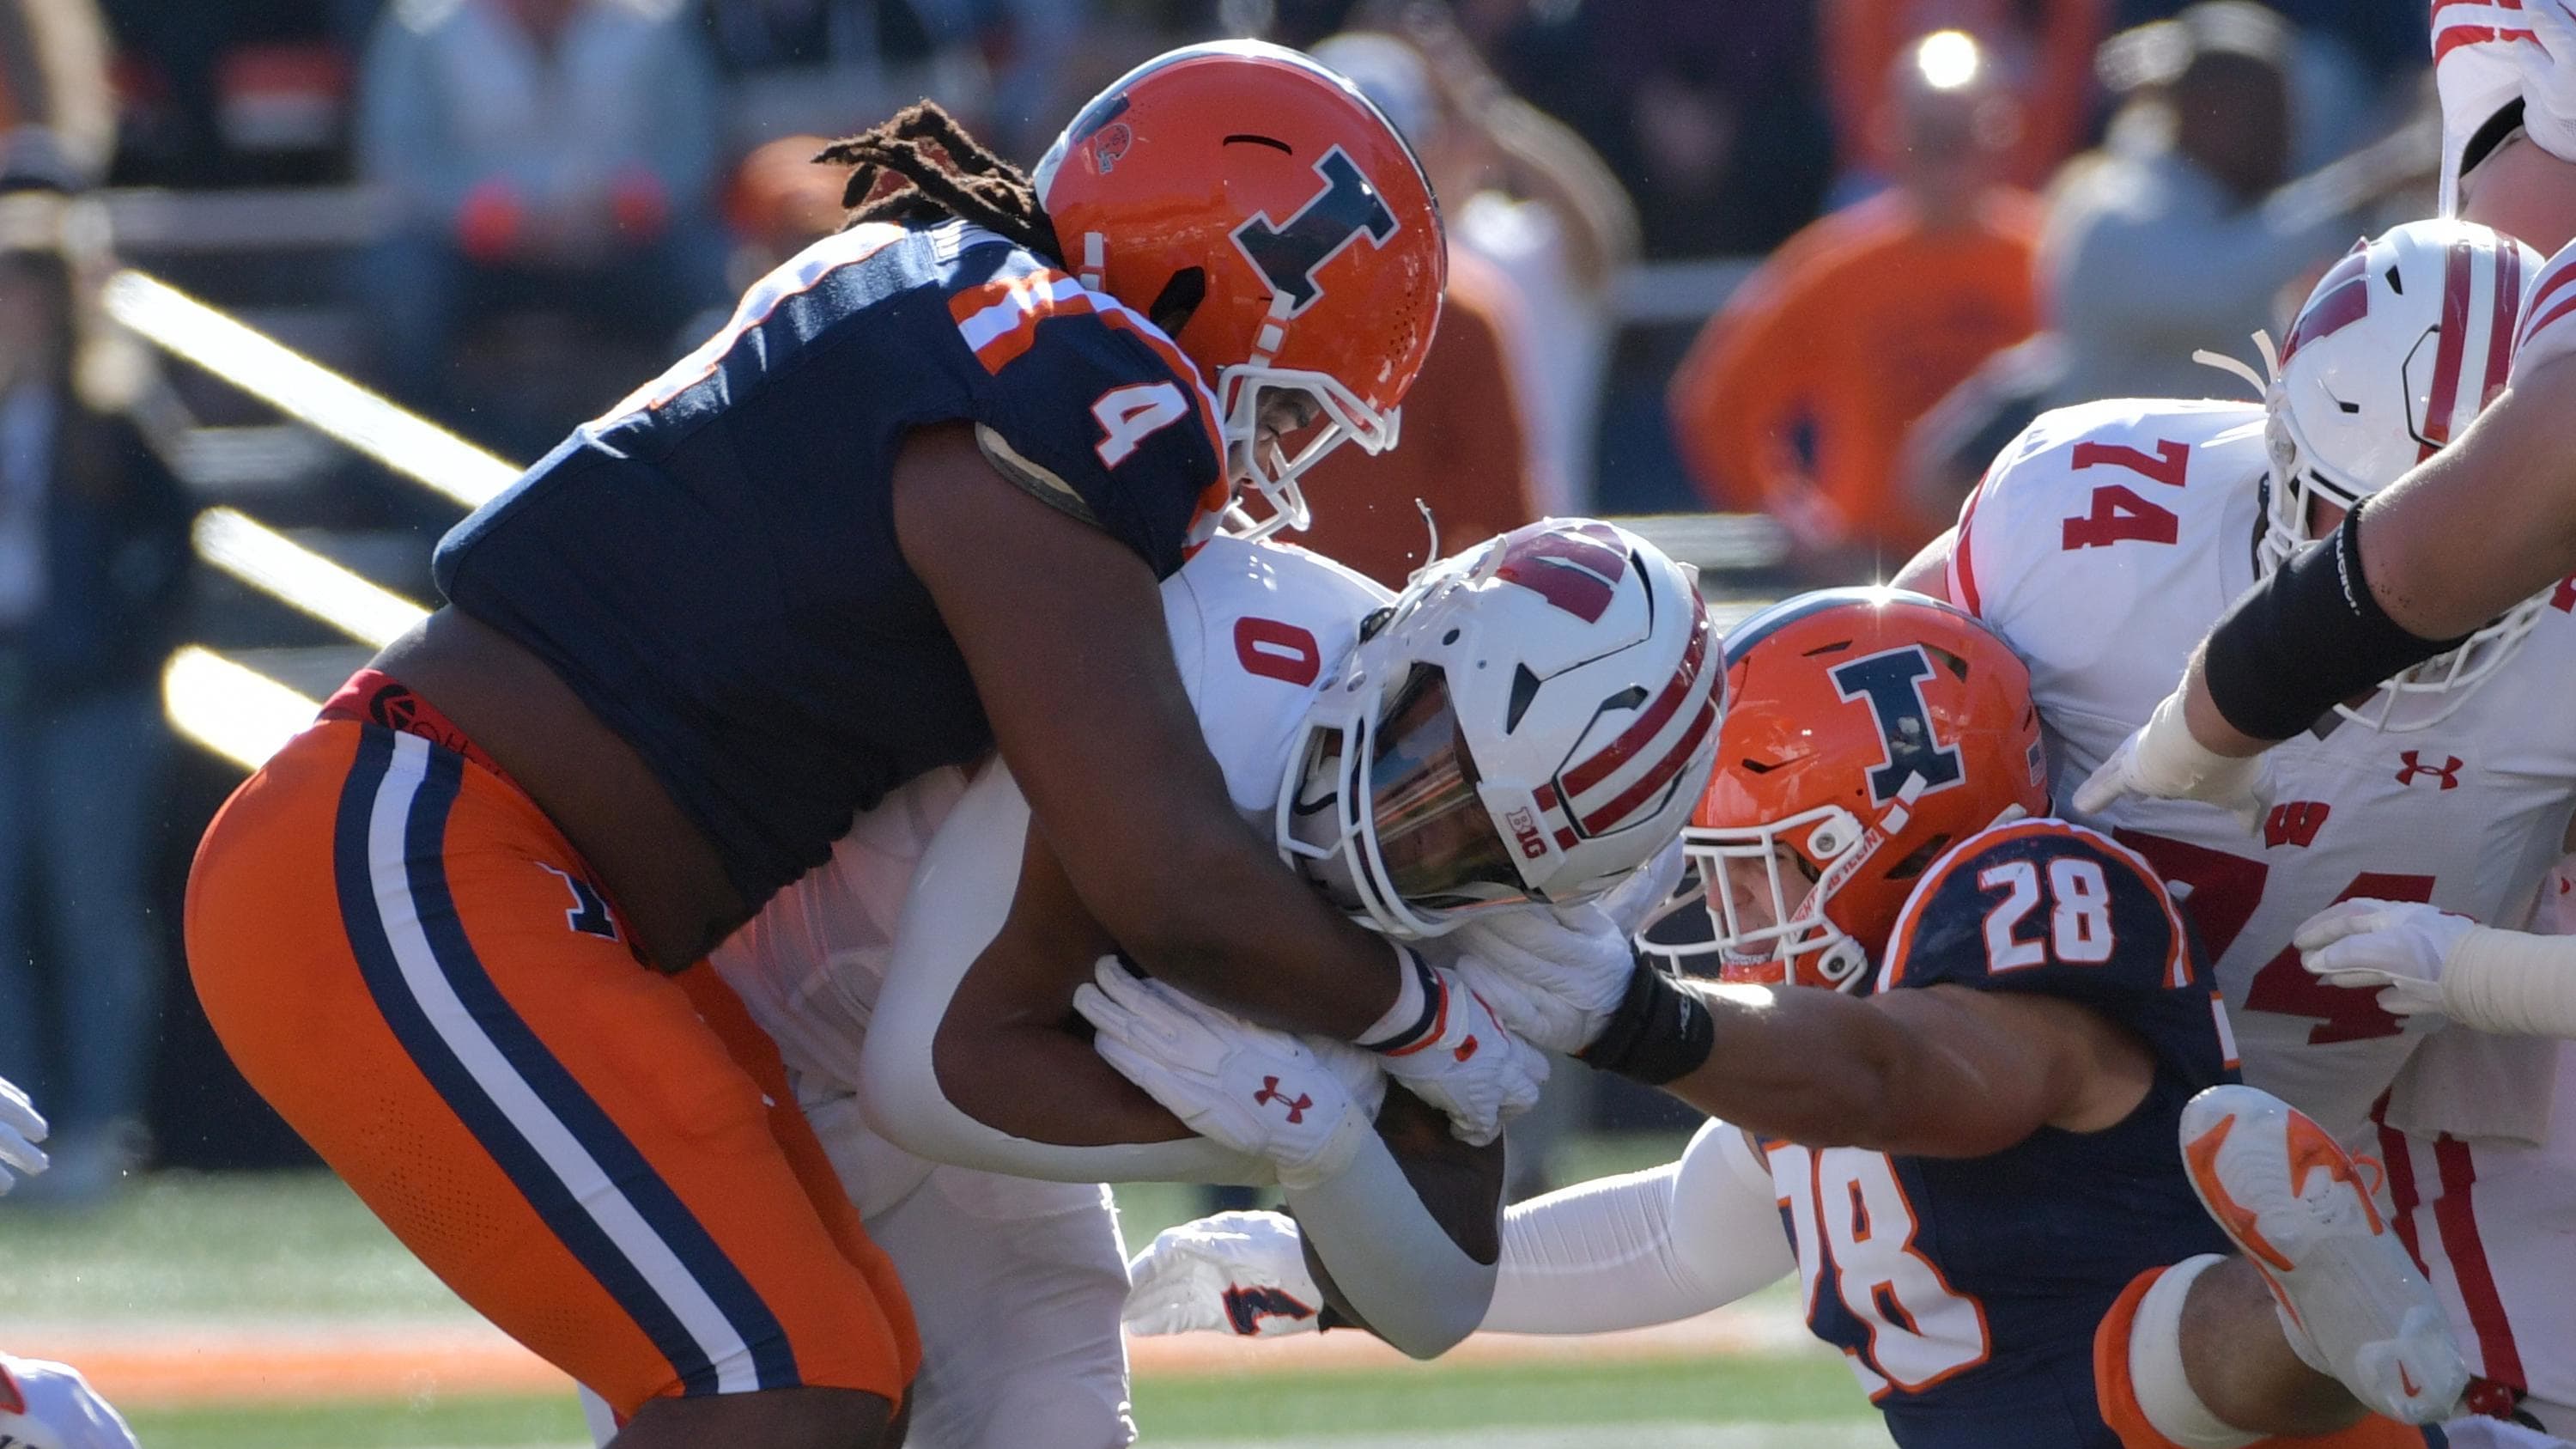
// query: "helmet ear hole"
[[1179, 300]]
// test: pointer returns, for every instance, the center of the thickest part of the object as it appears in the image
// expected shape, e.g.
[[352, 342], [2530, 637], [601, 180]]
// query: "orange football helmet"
[[1259, 191], [1867, 730]]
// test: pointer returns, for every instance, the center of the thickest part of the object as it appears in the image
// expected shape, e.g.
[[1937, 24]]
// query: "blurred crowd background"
[[1809, 261]]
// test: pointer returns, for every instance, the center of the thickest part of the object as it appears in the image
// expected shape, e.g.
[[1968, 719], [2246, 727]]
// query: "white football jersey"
[[1256, 629], [2548, 314], [2477, 69], [2103, 545]]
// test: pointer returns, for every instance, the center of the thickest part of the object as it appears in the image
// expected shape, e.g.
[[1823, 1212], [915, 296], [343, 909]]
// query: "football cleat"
[[2351, 1303]]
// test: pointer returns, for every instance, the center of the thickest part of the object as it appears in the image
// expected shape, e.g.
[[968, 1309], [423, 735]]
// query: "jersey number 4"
[[1131, 414], [2226, 889], [1855, 1228], [2118, 512]]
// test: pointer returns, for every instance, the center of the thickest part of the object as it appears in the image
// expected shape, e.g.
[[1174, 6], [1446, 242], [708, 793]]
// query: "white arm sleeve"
[[1395, 1264], [2512, 983], [1650, 1247], [960, 896]]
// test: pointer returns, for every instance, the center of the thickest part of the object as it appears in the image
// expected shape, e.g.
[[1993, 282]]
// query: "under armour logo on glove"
[[1296, 1106]]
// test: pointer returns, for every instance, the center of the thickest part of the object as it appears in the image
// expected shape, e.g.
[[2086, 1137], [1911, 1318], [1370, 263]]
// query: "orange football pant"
[[2119, 1395], [408, 961]]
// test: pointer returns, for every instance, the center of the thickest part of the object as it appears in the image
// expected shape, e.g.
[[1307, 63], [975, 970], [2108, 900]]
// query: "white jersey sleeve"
[[2479, 67], [2549, 314]]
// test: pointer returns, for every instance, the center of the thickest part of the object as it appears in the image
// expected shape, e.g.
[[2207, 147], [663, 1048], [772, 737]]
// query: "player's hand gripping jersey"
[[2102, 545], [1965, 1291], [1256, 628], [713, 566]]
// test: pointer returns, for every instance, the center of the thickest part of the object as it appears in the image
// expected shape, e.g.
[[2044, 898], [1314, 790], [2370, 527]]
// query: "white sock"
[[2155, 1364]]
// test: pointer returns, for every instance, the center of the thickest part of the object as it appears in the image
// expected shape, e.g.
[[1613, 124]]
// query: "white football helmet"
[[50, 1406], [1531, 721], [2397, 350]]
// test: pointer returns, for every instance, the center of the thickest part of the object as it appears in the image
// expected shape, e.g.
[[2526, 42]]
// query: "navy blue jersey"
[[1966, 1291], [713, 567]]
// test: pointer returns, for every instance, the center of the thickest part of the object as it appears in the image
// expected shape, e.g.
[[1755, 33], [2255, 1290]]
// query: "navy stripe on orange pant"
[[585, 1179]]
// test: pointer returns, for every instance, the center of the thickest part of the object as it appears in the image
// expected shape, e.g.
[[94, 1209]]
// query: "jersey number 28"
[[1855, 1234]]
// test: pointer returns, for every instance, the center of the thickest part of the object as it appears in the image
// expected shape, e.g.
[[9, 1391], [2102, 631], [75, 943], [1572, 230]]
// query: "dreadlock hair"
[[943, 173]]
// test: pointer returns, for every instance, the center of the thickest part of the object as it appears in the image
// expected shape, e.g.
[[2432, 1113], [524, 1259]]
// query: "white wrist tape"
[[2172, 761], [2512, 983], [1412, 1016]]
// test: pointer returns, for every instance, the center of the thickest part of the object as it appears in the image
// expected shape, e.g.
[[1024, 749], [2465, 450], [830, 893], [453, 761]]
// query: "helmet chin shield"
[[1383, 810]]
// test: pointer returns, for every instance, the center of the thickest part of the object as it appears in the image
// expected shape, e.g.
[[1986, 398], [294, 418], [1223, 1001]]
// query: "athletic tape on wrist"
[[1658, 1034], [1421, 1007], [2306, 638]]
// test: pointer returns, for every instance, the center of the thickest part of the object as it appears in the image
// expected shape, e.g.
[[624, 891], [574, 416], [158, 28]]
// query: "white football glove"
[[1471, 1066], [1261, 1092], [2163, 761], [1554, 977], [21, 1128], [1238, 1273], [50, 1406], [2399, 947], [1631, 901]]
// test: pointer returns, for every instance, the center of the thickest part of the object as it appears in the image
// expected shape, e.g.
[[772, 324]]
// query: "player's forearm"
[[2513, 473], [1398, 1268], [1063, 630], [1918, 1073], [2400, 580], [1239, 930], [2513, 983], [1812, 1066]]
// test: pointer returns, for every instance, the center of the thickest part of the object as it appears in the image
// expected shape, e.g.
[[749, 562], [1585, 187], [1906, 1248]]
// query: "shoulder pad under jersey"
[[2096, 488], [1257, 628], [1089, 406], [2041, 905]]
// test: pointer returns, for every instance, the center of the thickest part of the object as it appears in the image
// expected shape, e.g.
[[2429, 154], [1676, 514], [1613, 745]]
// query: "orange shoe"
[[2351, 1303]]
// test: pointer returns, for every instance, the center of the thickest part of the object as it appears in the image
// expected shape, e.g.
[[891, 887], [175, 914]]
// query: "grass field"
[[187, 1298]]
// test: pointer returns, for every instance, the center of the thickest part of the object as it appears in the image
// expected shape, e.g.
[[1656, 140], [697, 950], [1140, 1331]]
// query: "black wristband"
[[1659, 1033], [2306, 638]]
